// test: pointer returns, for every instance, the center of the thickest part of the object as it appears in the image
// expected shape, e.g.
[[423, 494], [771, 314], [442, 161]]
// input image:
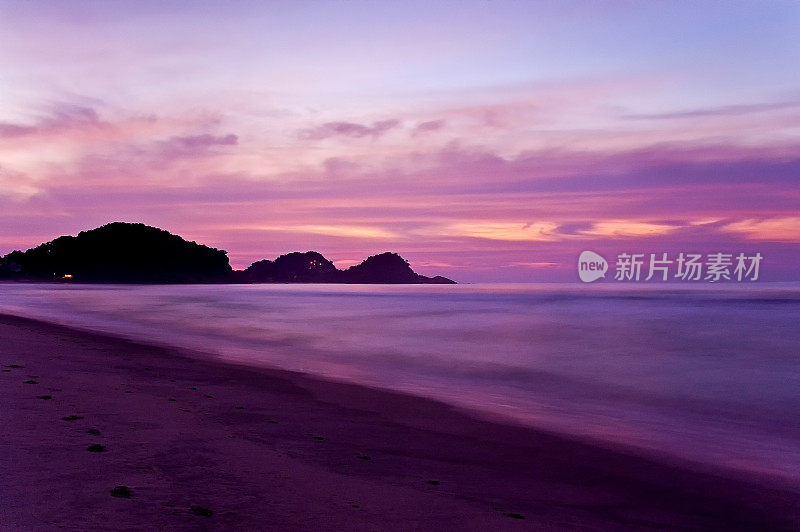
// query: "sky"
[[484, 141]]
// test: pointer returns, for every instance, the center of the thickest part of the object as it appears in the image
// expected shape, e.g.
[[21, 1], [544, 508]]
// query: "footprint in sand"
[[201, 511], [97, 448], [123, 492]]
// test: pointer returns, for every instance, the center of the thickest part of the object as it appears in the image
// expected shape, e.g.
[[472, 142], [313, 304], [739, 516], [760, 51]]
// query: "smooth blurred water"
[[710, 374]]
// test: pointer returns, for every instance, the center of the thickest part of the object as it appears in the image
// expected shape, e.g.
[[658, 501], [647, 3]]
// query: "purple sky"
[[480, 140]]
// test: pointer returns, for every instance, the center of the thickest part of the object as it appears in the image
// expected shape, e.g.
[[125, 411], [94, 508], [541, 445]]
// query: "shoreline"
[[292, 451]]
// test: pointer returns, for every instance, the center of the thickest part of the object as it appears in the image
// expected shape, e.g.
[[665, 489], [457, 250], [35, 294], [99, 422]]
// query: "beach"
[[205, 444]]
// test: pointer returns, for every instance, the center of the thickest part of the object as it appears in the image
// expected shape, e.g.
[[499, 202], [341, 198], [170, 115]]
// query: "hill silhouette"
[[119, 253], [312, 267], [136, 253], [388, 268]]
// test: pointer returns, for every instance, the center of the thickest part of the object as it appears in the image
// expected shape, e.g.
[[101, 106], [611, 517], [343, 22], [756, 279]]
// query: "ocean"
[[704, 373]]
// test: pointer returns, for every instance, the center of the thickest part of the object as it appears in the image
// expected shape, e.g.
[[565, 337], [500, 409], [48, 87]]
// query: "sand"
[[102, 433]]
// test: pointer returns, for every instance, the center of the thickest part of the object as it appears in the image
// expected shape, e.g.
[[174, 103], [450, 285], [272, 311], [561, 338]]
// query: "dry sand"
[[269, 450]]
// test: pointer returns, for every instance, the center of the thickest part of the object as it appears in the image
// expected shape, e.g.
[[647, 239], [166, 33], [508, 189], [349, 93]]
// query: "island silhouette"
[[122, 252]]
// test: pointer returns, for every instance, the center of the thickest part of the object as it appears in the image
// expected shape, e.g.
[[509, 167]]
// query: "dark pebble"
[[122, 492]]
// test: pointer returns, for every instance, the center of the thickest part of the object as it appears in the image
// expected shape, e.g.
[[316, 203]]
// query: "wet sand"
[[102, 433]]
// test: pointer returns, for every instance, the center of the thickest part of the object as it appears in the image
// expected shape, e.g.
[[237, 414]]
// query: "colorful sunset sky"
[[485, 141]]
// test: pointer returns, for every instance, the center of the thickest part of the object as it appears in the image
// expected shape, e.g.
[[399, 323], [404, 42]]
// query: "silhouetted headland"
[[136, 253]]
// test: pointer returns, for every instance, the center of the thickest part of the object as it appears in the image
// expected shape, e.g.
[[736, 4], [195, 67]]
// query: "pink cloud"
[[430, 125], [59, 118]]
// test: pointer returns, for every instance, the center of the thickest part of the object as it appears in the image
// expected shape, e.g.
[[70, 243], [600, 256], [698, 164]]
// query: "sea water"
[[709, 374]]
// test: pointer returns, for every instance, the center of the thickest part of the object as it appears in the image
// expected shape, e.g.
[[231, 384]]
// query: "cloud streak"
[[772, 229], [727, 110], [348, 129]]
